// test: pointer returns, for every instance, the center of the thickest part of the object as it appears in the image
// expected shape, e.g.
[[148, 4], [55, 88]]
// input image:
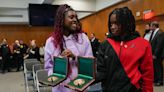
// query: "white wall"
[[81, 15], [19, 7], [79, 5], [18, 3], [8, 16], [86, 6], [12, 10], [101, 4]]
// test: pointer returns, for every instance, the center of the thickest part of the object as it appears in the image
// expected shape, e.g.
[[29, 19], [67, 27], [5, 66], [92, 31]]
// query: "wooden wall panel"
[[97, 23], [25, 33]]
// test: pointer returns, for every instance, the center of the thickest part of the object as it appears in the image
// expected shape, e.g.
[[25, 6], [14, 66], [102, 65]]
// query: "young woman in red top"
[[124, 62]]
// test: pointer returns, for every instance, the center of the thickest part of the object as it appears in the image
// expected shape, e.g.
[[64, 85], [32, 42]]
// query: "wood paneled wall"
[[25, 33], [97, 23]]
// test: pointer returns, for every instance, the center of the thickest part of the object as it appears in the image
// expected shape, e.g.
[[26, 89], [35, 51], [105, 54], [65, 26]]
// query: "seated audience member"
[[41, 53], [33, 51], [17, 56]]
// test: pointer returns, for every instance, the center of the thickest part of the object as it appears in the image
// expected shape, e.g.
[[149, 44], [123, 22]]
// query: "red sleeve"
[[147, 71]]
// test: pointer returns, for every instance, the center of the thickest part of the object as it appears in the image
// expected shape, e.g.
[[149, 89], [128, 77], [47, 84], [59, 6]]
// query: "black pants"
[[158, 71], [5, 63], [19, 61]]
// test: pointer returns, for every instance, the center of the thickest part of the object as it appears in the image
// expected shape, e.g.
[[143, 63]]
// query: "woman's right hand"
[[67, 53]]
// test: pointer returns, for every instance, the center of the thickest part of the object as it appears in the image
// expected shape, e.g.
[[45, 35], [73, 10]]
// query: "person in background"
[[23, 50], [67, 40], [5, 54], [147, 32], [33, 51], [124, 61], [13, 63], [95, 44], [41, 53], [17, 56], [156, 43], [24, 47]]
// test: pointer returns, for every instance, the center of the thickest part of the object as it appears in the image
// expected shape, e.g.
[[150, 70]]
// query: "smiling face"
[[70, 21], [115, 27]]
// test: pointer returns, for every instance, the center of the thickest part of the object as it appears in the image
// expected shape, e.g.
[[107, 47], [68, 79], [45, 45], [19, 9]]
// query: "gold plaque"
[[53, 78], [79, 82]]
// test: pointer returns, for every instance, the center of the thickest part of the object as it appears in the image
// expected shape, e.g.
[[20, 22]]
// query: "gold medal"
[[53, 78], [79, 82]]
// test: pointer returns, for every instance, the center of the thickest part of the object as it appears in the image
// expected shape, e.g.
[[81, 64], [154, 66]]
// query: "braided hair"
[[125, 18], [59, 26]]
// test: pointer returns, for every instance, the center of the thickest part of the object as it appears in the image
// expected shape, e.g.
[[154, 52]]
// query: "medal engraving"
[[79, 82], [51, 79]]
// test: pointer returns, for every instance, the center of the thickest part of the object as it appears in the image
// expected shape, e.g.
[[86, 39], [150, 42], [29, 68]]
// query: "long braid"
[[125, 18], [59, 26]]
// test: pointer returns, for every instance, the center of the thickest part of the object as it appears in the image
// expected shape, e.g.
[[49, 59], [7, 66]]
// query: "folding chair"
[[26, 60], [34, 69], [28, 71], [42, 75]]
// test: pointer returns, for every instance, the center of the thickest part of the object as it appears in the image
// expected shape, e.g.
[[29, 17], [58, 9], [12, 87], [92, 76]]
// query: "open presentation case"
[[86, 74], [60, 69]]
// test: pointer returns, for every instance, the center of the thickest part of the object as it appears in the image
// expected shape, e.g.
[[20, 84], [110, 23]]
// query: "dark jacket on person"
[[158, 51], [95, 45], [23, 49], [156, 44], [5, 51], [35, 54], [5, 56], [161, 46], [122, 63]]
